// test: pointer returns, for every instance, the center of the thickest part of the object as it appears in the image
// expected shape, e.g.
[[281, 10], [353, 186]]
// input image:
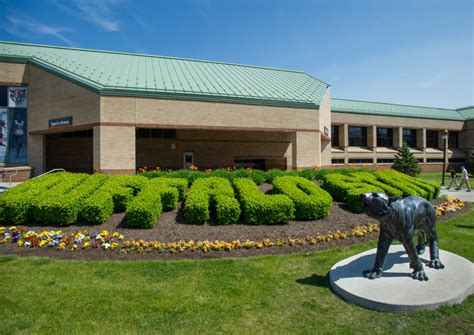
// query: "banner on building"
[[3, 134], [17, 97], [17, 144]]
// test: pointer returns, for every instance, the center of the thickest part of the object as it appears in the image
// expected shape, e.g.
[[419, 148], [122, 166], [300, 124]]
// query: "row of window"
[[391, 160], [358, 137]]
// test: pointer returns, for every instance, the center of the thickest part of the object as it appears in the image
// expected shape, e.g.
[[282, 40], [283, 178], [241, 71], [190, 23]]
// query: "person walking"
[[464, 179], [454, 180]]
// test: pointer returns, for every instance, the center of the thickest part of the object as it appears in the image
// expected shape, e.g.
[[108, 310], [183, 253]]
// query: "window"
[[457, 160], [337, 161], [334, 136], [409, 137], [432, 139], [384, 160], [385, 137], [3, 96], [453, 141], [360, 160], [434, 160], [155, 133], [358, 136]]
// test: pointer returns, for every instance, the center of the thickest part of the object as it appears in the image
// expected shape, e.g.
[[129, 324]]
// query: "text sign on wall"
[[62, 122]]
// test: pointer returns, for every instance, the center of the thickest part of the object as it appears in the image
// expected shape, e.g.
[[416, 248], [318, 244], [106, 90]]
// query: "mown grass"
[[270, 294]]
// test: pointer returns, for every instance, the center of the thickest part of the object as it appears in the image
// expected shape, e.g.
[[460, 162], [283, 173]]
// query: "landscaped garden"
[[196, 214], [213, 214]]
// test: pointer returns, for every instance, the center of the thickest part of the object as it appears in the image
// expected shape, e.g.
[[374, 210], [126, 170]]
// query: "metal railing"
[[50, 171]]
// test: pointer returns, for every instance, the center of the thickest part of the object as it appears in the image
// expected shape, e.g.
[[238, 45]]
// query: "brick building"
[[87, 110]]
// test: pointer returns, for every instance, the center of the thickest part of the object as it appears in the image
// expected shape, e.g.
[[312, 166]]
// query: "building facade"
[[87, 110]]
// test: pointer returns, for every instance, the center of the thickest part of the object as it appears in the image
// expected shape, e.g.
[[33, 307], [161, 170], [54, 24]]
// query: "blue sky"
[[410, 52]]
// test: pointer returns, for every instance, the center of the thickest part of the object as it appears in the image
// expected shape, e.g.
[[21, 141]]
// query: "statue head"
[[377, 203]]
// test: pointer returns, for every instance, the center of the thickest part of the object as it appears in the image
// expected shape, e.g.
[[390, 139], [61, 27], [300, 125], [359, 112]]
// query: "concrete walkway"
[[462, 194]]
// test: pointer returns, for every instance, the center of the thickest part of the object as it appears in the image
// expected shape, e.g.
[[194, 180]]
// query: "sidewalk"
[[462, 194]]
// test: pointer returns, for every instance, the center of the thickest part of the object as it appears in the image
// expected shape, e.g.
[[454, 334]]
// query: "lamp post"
[[445, 141]]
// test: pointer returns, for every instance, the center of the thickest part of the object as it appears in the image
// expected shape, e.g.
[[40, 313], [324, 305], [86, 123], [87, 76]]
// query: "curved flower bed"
[[450, 205], [114, 241]]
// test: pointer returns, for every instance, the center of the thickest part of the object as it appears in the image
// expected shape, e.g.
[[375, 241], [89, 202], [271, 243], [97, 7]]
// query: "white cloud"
[[97, 12], [26, 27]]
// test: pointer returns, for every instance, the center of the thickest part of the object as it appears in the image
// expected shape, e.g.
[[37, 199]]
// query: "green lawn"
[[434, 177], [271, 294]]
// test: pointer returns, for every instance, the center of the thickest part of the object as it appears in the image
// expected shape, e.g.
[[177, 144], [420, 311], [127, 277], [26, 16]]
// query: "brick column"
[[372, 140], [397, 137], [306, 149], [36, 153], [114, 149]]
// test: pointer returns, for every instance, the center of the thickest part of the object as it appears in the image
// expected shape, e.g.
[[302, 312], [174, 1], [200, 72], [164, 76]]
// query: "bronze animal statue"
[[401, 220]]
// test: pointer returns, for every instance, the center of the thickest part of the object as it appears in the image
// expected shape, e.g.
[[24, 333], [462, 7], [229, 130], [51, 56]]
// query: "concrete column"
[[36, 153], [421, 141], [397, 137], [114, 149], [345, 141], [372, 137], [306, 149]]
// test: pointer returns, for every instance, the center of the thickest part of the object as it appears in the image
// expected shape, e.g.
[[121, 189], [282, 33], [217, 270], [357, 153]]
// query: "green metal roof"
[[467, 112], [386, 109], [118, 73]]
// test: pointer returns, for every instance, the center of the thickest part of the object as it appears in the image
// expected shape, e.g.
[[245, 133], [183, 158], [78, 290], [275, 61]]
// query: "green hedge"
[[211, 193], [259, 208], [157, 195], [113, 196], [15, 204], [41, 208], [311, 202], [347, 188], [66, 209]]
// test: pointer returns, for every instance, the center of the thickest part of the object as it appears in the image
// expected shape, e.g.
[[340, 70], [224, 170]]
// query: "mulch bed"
[[172, 228]]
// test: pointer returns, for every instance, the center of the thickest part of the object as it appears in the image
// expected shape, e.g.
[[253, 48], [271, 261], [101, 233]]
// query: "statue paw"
[[435, 264], [372, 274], [419, 275]]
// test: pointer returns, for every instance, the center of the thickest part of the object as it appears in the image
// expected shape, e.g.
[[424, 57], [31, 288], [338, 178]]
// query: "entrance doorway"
[[188, 159]]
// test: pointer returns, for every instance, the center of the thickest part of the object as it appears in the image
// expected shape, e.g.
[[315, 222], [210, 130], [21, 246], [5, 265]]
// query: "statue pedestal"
[[396, 291]]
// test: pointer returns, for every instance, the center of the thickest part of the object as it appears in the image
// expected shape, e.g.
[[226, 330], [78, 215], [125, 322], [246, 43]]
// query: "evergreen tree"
[[406, 162]]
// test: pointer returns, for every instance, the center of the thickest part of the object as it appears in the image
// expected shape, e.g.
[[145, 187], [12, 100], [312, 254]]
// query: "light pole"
[[445, 141]]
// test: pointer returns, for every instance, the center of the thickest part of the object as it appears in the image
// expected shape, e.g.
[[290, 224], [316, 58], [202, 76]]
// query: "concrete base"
[[396, 291]]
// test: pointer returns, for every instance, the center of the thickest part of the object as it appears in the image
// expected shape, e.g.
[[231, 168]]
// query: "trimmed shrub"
[[15, 204], [208, 194], [40, 204], [113, 196], [371, 178], [431, 188], [408, 189], [65, 210], [311, 202], [145, 209], [259, 208], [347, 188]]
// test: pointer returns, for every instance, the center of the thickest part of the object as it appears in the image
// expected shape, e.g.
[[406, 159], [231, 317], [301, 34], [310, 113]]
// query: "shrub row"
[[349, 187], [157, 195], [431, 189], [208, 194], [15, 204], [259, 208], [258, 176], [311, 202], [43, 206], [67, 209], [113, 196]]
